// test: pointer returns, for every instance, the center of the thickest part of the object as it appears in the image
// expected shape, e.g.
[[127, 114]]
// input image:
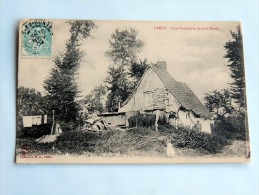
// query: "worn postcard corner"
[[123, 92]]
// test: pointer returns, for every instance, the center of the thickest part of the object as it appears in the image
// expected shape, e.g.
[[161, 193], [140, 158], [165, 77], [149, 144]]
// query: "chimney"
[[161, 65]]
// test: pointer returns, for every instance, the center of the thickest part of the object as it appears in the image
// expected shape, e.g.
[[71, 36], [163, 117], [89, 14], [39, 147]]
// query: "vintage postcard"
[[131, 92]]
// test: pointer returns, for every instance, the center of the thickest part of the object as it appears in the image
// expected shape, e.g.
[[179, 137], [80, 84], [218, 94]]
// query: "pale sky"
[[193, 56]]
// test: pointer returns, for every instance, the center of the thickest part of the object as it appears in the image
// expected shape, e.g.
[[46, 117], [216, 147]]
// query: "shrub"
[[68, 126], [162, 120], [167, 129], [143, 131], [187, 138], [145, 120], [67, 142], [142, 120], [19, 123], [76, 142], [231, 127], [35, 131]]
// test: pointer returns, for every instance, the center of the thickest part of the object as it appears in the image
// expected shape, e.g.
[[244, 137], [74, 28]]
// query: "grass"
[[136, 142]]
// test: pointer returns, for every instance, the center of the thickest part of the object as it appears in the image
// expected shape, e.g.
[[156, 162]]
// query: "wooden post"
[[53, 124], [157, 112]]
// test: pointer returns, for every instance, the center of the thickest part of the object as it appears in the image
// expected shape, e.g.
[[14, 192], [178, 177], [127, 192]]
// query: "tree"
[[119, 88], [124, 47], [96, 98], [137, 69], [61, 85], [29, 102], [219, 102], [234, 54]]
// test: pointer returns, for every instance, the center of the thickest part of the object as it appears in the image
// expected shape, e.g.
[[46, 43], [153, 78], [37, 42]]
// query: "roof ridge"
[[181, 91]]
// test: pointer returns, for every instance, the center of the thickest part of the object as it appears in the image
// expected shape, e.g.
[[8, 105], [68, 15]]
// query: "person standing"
[[197, 126], [170, 152]]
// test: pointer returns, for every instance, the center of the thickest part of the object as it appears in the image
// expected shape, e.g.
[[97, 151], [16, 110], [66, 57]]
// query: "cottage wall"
[[151, 94], [184, 119], [143, 98], [205, 125], [204, 122]]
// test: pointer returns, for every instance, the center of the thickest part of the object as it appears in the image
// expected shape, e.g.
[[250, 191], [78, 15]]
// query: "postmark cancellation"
[[36, 38]]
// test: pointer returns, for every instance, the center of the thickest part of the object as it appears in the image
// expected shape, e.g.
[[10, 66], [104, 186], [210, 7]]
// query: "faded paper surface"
[[130, 92]]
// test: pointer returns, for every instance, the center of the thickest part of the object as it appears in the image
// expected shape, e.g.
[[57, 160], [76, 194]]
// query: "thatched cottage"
[[159, 93]]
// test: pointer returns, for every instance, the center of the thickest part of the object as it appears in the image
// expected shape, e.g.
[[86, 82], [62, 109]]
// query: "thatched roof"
[[179, 90]]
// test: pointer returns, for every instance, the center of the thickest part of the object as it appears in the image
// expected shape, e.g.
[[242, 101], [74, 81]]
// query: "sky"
[[193, 52]]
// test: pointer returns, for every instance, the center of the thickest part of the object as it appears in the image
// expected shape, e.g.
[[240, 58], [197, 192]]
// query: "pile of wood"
[[97, 124]]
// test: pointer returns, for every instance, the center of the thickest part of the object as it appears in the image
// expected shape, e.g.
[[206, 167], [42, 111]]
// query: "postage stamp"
[[36, 38]]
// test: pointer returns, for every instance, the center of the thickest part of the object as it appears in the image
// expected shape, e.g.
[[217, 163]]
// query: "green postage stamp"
[[36, 38]]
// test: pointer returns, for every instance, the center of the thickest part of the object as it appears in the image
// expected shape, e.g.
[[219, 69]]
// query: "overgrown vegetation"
[[232, 127], [219, 103], [229, 105], [139, 140], [76, 142], [35, 131], [145, 120], [71, 142], [187, 138]]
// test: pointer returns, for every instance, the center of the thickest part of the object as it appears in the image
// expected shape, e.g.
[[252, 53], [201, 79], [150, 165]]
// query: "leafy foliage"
[[145, 120], [29, 102], [96, 98], [229, 105], [137, 69], [119, 87], [235, 58], [219, 102], [124, 47], [61, 85], [231, 127], [75, 142], [187, 138]]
